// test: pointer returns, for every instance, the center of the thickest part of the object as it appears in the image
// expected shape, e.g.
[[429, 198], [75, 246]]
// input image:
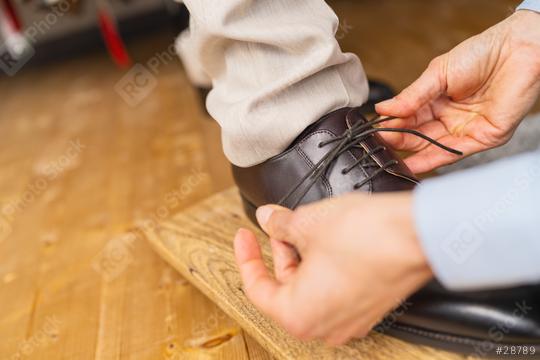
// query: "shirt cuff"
[[533, 5], [479, 227]]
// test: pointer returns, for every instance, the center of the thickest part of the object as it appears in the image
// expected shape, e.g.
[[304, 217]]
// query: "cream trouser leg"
[[275, 67]]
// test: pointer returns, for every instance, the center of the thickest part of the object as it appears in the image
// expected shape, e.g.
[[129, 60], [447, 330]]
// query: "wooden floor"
[[81, 172]]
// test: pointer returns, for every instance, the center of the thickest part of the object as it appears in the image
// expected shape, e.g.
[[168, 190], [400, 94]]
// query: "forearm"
[[481, 228]]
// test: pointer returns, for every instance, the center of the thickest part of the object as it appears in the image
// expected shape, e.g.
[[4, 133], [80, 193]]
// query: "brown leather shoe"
[[342, 152]]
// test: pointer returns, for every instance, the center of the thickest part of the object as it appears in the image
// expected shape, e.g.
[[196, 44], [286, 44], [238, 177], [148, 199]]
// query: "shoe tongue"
[[339, 121]]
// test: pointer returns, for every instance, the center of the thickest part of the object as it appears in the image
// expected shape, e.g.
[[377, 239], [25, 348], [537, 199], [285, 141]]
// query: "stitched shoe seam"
[[311, 165]]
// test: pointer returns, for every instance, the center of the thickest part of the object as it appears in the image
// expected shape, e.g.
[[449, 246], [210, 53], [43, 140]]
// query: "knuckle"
[[436, 62], [438, 67]]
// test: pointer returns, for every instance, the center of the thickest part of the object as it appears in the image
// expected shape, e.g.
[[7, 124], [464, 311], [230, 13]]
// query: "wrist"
[[523, 27], [528, 14], [418, 265], [523, 35]]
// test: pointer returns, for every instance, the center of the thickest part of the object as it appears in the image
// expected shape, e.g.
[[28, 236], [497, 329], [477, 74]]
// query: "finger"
[[278, 223], [395, 139], [274, 299], [286, 259], [274, 220], [430, 85], [435, 129], [399, 140], [263, 290], [421, 116], [433, 157]]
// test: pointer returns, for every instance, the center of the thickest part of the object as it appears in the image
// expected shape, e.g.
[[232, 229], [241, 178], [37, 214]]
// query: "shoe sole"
[[470, 347], [249, 210], [459, 344]]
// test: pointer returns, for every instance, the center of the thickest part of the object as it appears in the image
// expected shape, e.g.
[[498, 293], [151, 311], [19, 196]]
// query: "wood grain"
[[77, 279], [74, 284], [198, 243]]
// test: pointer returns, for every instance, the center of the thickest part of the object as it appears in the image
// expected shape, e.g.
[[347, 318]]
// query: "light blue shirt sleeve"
[[533, 5], [480, 228]]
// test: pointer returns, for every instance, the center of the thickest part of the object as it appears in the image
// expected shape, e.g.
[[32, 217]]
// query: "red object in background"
[[112, 37], [12, 15]]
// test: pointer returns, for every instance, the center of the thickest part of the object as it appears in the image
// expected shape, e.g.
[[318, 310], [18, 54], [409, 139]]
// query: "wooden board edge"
[[166, 255]]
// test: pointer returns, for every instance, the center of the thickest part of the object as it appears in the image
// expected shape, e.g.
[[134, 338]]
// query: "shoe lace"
[[352, 137]]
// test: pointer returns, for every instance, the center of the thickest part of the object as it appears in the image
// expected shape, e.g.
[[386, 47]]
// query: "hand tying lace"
[[352, 137]]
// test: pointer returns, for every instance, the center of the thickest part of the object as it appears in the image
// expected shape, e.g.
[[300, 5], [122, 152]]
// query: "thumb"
[[430, 85], [278, 223], [275, 221]]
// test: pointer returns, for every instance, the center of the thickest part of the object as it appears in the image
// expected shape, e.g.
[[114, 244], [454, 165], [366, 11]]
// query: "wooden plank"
[[198, 243], [256, 351]]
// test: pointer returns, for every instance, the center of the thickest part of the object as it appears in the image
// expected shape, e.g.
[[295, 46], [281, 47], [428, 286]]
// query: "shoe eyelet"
[[344, 171], [321, 144], [356, 187]]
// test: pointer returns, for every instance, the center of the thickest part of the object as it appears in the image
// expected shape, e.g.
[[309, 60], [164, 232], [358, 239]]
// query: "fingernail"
[[263, 214], [386, 102]]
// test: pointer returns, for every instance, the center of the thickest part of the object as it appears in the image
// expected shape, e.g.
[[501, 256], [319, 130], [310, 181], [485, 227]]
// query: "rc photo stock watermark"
[[469, 236], [118, 253], [45, 336], [139, 82], [497, 344], [47, 172], [17, 48]]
